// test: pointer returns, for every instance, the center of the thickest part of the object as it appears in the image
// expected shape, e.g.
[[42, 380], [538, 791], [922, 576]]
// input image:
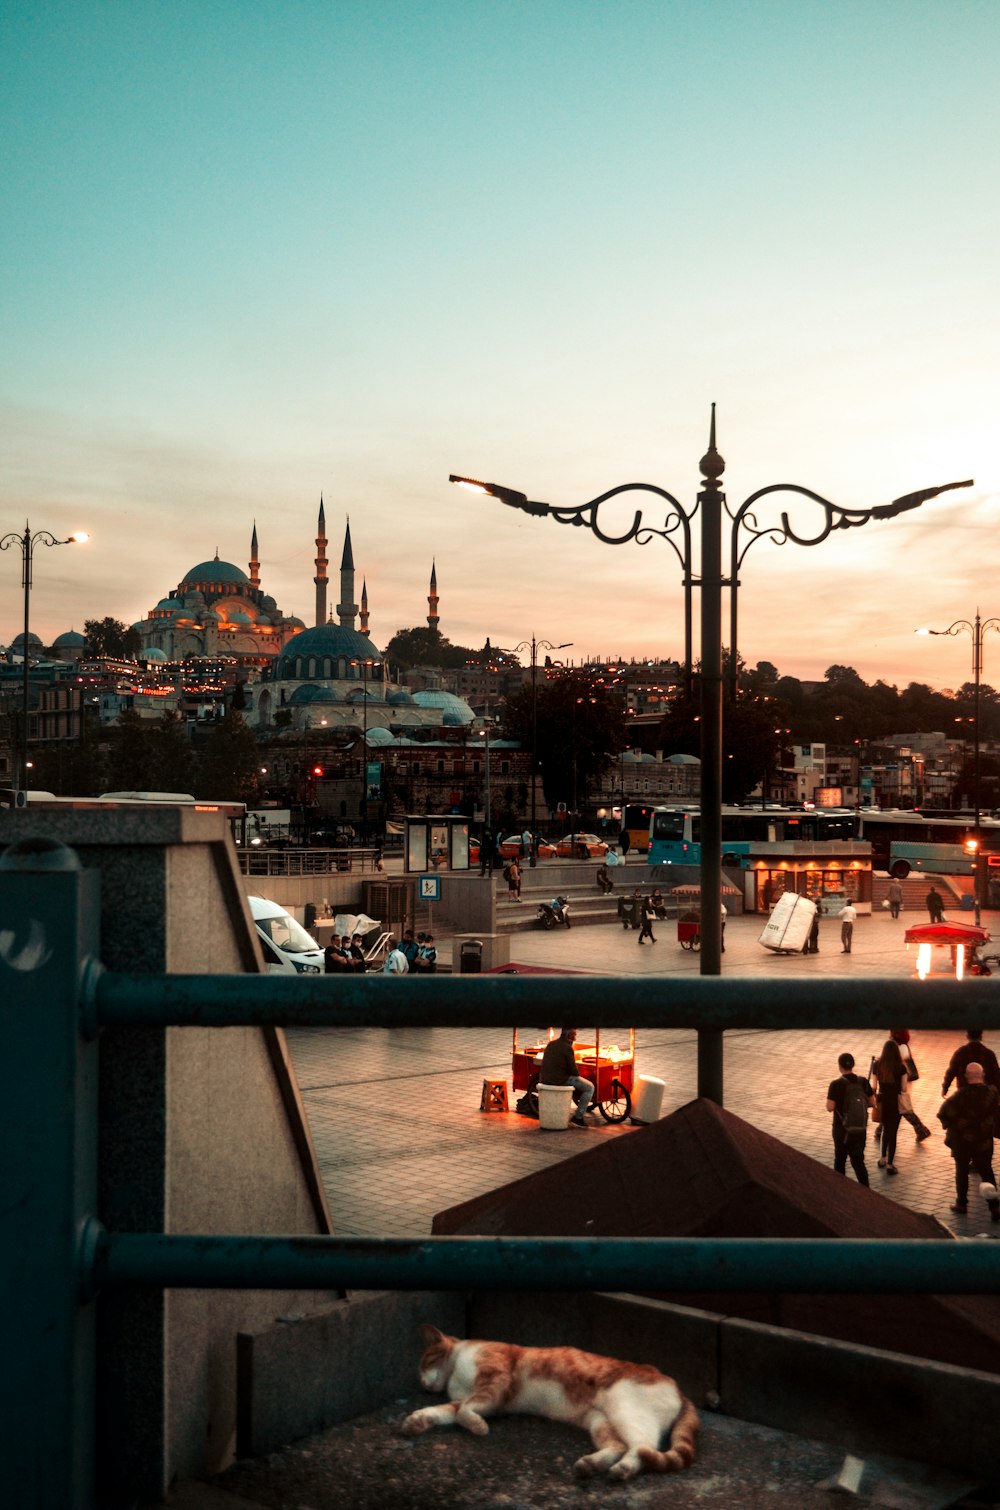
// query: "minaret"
[[320, 578], [363, 624], [254, 560], [433, 617], [347, 608]]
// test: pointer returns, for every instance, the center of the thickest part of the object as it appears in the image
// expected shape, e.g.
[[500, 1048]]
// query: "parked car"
[[288, 948], [581, 846], [512, 848]]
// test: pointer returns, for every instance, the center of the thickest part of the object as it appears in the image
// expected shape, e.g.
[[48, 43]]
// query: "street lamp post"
[[976, 628], [27, 541], [534, 646], [677, 532]]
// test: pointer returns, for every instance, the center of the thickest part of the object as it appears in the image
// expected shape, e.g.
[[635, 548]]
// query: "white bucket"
[[649, 1099], [555, 1102]]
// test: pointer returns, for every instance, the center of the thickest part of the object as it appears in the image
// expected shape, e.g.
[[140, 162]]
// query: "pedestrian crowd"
[[970, 1115]]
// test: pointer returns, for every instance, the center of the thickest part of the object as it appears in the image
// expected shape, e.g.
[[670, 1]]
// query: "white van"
[[288, 948]]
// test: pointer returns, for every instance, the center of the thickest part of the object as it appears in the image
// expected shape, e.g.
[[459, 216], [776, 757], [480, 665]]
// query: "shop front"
[[830, 873]]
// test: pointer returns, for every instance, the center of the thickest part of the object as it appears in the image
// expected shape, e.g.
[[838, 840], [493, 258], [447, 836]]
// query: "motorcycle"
[[551, 913]]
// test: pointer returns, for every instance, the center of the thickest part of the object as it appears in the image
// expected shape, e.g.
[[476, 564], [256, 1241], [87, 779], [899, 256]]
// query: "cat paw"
[[583, 1468], [475, 1424], [622, 1470], [415, 1424]]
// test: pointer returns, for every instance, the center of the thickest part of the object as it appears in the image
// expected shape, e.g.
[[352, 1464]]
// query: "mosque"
[[329, 676]]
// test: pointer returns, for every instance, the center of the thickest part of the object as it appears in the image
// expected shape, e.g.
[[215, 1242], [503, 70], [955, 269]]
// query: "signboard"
[[430, 888], [373, 780]]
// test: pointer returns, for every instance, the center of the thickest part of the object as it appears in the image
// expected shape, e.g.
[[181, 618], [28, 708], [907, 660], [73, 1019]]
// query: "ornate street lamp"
[[677, 532], [976, 628], [534, 645], [27, 541]]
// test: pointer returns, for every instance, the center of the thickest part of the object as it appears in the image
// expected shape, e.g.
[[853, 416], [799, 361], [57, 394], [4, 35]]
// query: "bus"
[[636, 818], [675, 833], [903, 841]]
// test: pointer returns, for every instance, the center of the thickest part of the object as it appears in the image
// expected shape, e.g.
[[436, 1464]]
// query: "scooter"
[[551, 913]]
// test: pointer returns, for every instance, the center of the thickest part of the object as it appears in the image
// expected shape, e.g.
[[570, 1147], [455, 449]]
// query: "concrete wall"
[[863, 1400], [201, 1131]]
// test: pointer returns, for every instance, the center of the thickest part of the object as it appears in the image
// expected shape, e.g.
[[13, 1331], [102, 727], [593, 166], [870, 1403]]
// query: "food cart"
[[964, 940], [610, 1068]]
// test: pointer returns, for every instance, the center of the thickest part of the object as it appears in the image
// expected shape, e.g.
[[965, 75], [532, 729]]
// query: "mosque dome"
[[212, 575], [154, 653], [32, 638], [454, 711], [298, 623], [71, 640], [239, 617], [400, 699], [166, 603], [310, 693], [316, 652], [269, 603], [381, 737]]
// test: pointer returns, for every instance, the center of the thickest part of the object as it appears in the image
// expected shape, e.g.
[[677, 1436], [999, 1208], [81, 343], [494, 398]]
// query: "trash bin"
[[555, 1102], [309, 914], [628, 912], [648, 1099], [967, 902], [470, 957]]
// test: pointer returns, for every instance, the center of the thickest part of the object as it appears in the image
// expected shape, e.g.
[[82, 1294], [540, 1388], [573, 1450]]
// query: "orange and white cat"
[[626, 1407]]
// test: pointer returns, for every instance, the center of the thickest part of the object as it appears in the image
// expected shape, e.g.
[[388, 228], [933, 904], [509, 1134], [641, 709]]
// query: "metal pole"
[[26, 583], [532, 858], [710, 504], [48, 1132], [977, 673]]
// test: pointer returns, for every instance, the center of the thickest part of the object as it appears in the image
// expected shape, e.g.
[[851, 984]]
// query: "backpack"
[[855, 1114], [506, 874]]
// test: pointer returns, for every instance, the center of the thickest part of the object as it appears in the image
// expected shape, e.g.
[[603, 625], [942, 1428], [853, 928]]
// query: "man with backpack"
[[850, 1098]]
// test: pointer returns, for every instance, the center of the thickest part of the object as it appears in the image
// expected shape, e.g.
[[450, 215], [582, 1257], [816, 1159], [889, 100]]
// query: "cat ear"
[[430, 1333]]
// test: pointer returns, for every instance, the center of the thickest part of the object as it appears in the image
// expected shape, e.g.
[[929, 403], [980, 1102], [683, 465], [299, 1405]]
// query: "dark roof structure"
[[704, 1172]]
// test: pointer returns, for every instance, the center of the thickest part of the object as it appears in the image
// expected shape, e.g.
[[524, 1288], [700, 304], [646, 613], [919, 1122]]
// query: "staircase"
[[915, 888], [574, 880]]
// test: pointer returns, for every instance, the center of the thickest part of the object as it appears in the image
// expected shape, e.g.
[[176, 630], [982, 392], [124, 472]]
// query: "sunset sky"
[[255, 252]]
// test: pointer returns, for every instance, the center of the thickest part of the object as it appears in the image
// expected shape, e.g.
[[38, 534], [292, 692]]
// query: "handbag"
[[877, 1110], [910, 1066]]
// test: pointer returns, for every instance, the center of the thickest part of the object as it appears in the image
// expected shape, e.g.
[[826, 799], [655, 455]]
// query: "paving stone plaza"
[[395, 1113]]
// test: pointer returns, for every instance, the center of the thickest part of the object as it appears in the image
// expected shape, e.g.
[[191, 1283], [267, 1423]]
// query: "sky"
[[254, 252]]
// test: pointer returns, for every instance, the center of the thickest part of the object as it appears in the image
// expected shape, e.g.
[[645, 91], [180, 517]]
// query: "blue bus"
[[905, 841], [675, 833]]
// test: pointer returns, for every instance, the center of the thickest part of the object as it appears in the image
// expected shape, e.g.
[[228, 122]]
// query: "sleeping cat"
[[626, 1407]]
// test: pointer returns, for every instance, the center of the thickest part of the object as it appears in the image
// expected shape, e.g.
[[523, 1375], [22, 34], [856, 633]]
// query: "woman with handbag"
[[890, 1073], [902, 1038]]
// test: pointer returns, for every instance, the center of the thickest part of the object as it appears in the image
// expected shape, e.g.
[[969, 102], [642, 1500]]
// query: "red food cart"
[[610, 1068]]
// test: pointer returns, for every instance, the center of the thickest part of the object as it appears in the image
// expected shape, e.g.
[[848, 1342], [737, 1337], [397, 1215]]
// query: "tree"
[[753, 739], [131, 759], [111, 637], [173, 759], [424, 646], [230, 764], [581, 728]]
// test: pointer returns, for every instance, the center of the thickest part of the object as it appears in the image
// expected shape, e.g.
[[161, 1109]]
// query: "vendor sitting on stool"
[[559, 1068]]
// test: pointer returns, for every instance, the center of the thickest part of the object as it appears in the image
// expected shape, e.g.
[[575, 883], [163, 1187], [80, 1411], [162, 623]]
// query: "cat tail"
[[683, 1443]]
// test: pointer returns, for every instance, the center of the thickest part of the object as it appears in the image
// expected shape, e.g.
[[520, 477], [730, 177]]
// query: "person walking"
[[973, 1051], [895, 897], [624, 841], [848, 918], [890, 1073], [647, 912], [902, 1038], [934, 903], [512, 872], [969, 1118], [559, 1067], [850, 1098], [725, 914]]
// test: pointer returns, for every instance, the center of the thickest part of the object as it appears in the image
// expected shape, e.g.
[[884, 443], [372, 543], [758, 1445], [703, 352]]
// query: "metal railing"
[[57, 1257], [259, 860]]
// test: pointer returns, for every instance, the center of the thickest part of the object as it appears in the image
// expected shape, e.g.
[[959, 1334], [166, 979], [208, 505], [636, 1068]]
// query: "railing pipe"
[[799, 1265], [514, 1000]]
